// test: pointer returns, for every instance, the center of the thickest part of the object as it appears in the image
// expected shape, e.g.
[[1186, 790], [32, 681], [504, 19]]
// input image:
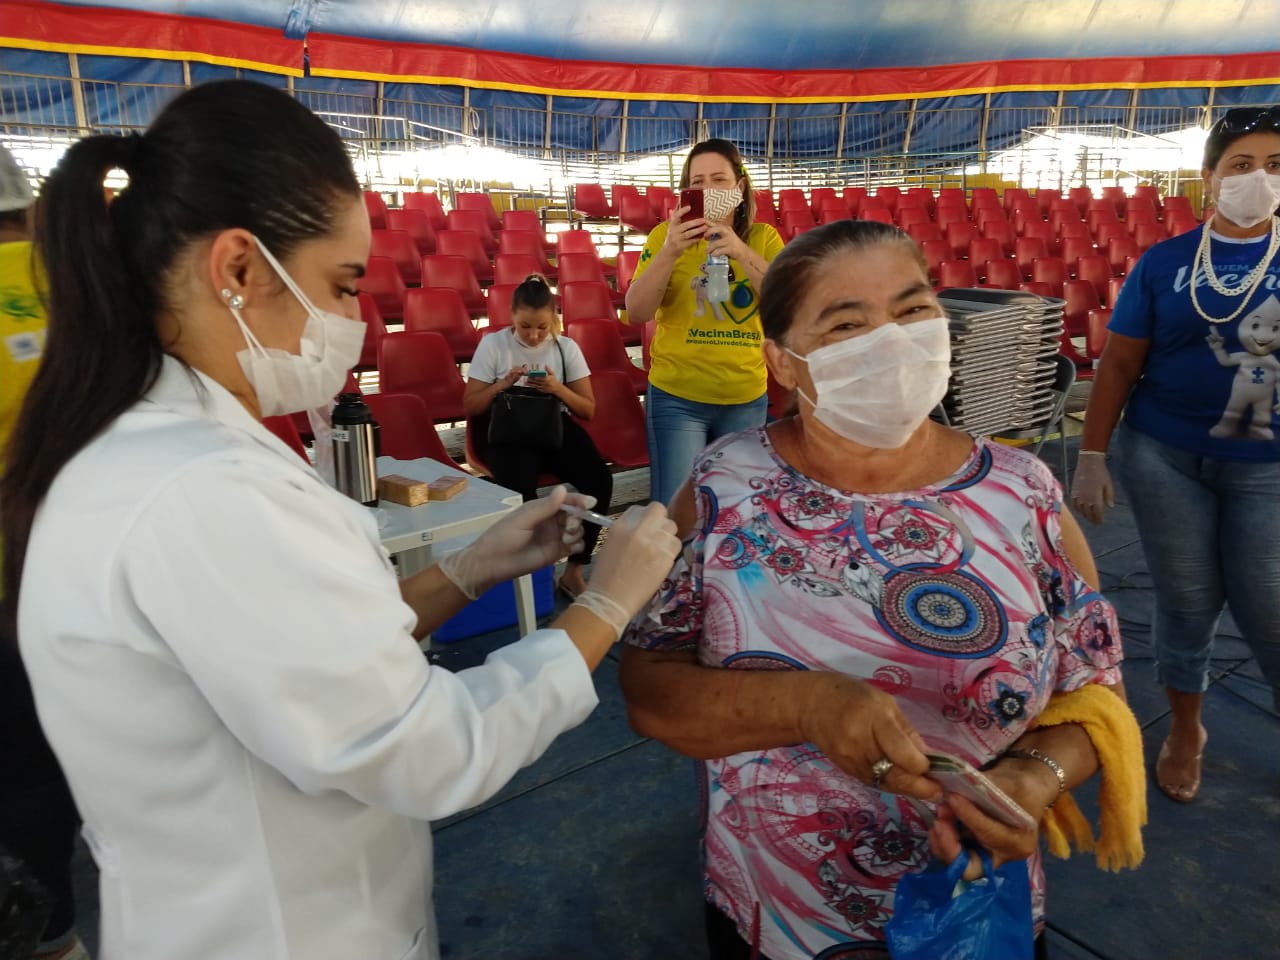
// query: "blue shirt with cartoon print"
[[1210, 389]]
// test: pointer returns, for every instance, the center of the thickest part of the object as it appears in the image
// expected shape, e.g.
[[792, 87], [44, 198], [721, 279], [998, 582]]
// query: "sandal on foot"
[[1178, 792]]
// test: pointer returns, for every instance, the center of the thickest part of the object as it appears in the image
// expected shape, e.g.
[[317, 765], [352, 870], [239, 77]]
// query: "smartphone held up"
[[693, 200]]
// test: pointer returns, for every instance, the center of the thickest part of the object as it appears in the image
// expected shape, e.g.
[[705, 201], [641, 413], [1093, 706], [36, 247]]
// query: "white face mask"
[[876, 389], [1248, 198], [290, 382]]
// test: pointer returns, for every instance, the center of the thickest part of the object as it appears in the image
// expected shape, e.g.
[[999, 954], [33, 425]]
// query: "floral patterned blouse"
[[958, 599]]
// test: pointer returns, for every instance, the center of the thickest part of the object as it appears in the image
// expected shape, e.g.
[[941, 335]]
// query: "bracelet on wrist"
[[1092, 453], [1033, 754]]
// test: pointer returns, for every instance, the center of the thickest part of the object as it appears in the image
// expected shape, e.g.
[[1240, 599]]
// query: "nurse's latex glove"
[[631, 565], [1092, 490], [529, 538]]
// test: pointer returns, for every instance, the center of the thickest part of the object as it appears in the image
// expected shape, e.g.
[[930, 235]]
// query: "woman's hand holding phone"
[[993, 809], [686, 225]]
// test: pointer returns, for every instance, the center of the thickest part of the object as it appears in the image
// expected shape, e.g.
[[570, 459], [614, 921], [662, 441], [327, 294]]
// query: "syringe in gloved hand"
[[589, 515]]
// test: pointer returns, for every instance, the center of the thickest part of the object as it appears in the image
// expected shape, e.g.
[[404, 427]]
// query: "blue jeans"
[[1210, 531], [679, 429]]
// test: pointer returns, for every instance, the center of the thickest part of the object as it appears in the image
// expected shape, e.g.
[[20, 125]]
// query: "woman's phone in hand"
[[693, 200], [965, 780]]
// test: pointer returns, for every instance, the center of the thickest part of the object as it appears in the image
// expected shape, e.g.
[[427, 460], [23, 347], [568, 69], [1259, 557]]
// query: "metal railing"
[[400, 143]]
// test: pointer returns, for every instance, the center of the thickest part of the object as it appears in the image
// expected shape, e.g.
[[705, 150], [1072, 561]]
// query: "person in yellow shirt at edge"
[[707, 375], [38, 819]]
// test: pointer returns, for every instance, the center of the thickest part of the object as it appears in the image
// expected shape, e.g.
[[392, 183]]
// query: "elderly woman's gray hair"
[[791, 273]]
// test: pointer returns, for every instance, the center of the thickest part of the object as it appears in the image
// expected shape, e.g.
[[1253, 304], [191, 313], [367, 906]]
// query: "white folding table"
[[409, 533]]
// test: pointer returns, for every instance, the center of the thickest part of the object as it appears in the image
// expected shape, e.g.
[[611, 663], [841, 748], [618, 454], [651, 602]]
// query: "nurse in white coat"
[[222, 657]]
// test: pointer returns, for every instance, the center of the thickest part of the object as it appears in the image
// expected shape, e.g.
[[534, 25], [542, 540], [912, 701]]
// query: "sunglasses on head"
[[1245, 119]]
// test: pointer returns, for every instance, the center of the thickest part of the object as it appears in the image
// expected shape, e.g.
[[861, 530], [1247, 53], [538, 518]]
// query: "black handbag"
[[525, 417]]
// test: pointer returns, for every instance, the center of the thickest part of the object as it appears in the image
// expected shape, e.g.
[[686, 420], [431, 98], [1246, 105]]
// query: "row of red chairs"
[[418, 363], [1053, 272], [643, 210], [408, 432], [441, 310]]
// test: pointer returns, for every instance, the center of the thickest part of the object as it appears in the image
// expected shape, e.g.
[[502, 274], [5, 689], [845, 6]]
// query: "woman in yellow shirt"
[[707, 374]]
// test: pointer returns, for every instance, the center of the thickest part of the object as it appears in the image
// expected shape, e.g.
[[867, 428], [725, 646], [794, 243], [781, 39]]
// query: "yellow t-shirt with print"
[[22, 326], [705, 351]]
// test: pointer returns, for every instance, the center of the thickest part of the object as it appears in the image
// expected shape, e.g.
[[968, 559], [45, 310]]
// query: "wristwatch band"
[[1033, 754]]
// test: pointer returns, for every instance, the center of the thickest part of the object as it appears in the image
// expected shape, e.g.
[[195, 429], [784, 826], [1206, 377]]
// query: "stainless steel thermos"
[[355, 450]]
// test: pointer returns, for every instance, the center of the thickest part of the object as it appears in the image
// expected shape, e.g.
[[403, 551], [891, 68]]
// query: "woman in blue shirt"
[[1192, 360]]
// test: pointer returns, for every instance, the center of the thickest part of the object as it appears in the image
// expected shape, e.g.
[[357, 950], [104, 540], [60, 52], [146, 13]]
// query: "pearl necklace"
[[1252, 280]]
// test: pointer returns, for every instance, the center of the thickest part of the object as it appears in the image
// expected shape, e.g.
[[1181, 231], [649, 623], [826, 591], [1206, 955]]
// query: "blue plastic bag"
[[939, 916]]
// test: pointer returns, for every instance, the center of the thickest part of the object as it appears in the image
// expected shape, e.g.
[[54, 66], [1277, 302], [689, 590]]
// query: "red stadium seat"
[[399, 247], [441, 309], [477, 223], [1096, 333], [601, 344], [1073, 248], [421, 363], [1002, 232], [417, 225], [284, 428], [956, 273], [1027, 250], [374, 330], [525, 221], [1081, 297], [530, 245], [405, 430], [481, 203], [618, 428], [1003, 274], [466, 246], [1113, 291], [589, 199], [628, 260], [1050, 270], [376, 207], [442, 270], [1096, 270], [935, 252], [428, 203], [635, 212], [500, 305], [580, 241], [514, 267], [383, 282], [580, 267], [982, 249]]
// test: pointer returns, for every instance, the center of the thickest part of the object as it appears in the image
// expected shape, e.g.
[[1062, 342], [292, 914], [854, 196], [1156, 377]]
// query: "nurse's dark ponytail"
[[222, 155]]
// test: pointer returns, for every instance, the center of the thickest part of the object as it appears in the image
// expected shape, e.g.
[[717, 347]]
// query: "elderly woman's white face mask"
[[876, 389]]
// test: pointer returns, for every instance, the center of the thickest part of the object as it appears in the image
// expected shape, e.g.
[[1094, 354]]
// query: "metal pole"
[[844, 114], [77, 96], [911, 122], [546, 137], [768, 145], [622, 136], [982, 132]]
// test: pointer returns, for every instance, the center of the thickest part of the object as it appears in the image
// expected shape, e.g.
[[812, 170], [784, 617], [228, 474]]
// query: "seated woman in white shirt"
[[533, 353], [221, 655]]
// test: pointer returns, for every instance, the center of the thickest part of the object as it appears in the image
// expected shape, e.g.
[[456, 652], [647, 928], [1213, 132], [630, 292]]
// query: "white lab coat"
[[224, 666]]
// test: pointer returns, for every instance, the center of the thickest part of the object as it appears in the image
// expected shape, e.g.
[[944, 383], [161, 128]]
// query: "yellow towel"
[[1122, 796]]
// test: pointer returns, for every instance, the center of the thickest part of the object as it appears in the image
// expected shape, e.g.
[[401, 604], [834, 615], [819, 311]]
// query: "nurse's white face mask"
[[876, 389], [291, 382]]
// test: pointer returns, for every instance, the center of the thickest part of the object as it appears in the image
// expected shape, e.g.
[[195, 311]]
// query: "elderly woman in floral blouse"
[[861, 586]]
